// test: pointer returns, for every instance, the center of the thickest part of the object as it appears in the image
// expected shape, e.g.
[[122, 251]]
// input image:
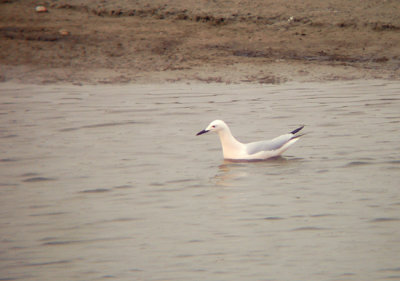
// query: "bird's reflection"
[[230, 171]]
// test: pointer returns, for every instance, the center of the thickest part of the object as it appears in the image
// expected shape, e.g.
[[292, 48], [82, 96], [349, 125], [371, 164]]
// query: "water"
[[111, 183]]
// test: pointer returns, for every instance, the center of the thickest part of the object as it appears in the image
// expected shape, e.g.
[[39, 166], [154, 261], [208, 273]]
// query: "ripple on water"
[[391, 269], [48, 214], [92, 126], [9, 136], [384, 219], [82, 241], [38, 179], [123, 186], [309, 228], [273, 218], [357, 164], [47, 263], [8, 160], [96, 190], [393, 273], [322, 215], [393, 164]]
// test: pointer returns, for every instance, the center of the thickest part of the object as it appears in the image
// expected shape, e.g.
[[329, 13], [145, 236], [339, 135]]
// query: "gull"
[[260, 150]]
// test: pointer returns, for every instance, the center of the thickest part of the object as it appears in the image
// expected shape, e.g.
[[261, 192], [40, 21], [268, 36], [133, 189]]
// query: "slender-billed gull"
[[260, 150]]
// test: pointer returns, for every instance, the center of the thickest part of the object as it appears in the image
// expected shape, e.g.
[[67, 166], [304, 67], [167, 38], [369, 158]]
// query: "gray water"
[[111, 183]]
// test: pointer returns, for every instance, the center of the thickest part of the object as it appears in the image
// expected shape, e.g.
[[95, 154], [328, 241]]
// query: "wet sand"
[[110, 182], [267, 42]]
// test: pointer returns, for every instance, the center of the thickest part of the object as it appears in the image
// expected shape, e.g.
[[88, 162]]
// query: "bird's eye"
[[213, 126]]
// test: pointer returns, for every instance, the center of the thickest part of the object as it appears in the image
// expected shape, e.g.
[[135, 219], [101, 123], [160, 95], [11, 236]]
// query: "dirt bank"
[[260, 41]]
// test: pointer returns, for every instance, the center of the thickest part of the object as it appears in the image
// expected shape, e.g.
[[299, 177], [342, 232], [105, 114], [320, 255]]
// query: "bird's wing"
[[268, 145]]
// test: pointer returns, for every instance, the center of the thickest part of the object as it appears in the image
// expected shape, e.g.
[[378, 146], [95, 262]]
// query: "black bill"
[[201, 132]]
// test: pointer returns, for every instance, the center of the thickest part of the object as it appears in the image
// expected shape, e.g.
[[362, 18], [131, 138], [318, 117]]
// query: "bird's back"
[[268, 145]]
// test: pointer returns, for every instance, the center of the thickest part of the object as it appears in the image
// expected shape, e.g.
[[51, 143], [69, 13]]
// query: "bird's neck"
[[230, 145]]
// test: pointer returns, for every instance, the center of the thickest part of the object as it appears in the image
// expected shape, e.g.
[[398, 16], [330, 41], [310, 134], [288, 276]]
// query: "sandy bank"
[[228, 42]]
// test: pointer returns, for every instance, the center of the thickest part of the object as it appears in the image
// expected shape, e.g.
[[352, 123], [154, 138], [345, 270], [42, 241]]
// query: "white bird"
[[260, 150]]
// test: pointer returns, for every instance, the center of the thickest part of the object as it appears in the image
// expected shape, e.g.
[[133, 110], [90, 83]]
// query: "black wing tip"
[[297, 130]]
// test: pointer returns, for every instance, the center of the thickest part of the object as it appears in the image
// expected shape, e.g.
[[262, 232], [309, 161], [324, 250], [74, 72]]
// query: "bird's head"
[[215, 126]]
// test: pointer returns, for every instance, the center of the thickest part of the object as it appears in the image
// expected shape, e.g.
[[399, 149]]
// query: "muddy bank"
[[207, 41]]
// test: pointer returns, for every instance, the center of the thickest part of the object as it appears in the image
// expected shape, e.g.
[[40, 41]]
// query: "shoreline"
[[248, 75]]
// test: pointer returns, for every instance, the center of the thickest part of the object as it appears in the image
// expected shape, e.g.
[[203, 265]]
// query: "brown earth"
[[257, 41]]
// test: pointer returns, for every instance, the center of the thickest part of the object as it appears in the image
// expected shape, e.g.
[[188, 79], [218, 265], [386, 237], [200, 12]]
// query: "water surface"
[[110, 182]]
